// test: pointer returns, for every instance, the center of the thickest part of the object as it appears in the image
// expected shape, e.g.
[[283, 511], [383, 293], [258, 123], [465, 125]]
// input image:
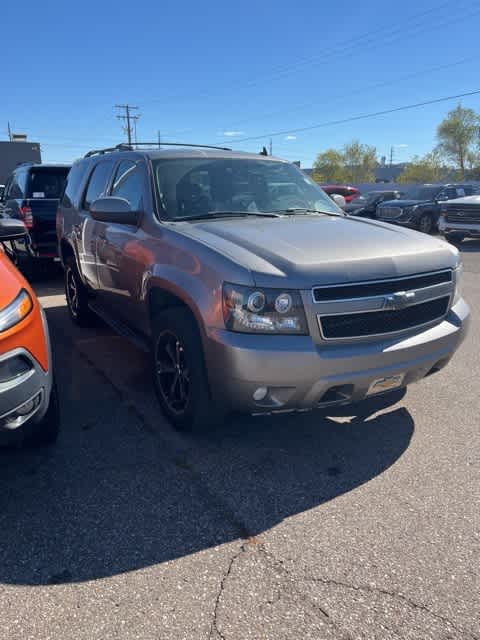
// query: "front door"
[[120, 254]]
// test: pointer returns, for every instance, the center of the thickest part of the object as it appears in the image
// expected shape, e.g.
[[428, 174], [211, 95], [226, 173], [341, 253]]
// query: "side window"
[[15, 190], [128, 183], [8, 185], [97, 184], [72, 184], [461, 192]]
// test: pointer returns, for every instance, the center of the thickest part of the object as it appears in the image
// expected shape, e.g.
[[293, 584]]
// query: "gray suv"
[[250, 296]]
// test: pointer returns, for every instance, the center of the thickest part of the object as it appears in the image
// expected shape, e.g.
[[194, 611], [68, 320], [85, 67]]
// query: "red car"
[[349, 193]]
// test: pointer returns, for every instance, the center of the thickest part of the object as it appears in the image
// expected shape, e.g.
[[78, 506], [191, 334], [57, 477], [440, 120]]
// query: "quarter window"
[[97, 185], [128, 183]]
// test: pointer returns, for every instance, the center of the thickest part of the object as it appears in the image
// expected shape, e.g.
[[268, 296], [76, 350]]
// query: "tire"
[[44, 432], [77, 296], [179, 372], [454, 238], [425, 223]]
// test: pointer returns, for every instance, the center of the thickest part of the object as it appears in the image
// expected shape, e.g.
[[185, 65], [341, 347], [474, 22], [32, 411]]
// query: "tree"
[[457, 134], [355, 162], [360, 161], [427, 169], [329, 167]]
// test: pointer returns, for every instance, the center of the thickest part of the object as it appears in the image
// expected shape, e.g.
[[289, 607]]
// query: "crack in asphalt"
[[260, 549], [392, 594], [214, 625]]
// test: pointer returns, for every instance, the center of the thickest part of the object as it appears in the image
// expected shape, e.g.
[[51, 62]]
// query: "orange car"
[[29, 411]]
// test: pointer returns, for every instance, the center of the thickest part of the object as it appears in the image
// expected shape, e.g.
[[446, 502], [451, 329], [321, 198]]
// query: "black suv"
[[420, 208], [366, 205], [32, 194]]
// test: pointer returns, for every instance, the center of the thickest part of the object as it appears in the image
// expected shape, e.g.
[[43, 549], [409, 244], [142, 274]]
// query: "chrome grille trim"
[[389, 212], [378, 303]]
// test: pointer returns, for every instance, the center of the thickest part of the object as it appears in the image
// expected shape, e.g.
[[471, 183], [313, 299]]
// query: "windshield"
[[423, 193], [47, 183], [191, 187]]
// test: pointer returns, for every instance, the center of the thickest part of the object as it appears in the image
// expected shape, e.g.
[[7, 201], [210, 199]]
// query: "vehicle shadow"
[[469, 246], [118, 492]]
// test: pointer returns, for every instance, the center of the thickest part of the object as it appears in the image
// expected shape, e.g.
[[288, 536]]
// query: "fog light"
[[21, 414], [260, 394]]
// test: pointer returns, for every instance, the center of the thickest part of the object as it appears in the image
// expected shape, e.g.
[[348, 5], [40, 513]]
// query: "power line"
[[360, 117], [378, 85], [128, 118], [375, 35]]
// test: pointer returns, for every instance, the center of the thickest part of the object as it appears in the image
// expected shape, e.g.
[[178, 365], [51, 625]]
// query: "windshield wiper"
[[226, 214], [307, 210]]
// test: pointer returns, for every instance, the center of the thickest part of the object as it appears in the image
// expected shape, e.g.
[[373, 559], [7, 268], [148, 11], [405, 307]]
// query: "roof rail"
[[124, 146], [25, 164]]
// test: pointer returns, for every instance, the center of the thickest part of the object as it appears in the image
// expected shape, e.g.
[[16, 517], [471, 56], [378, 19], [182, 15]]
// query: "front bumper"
[[301, 374], [16, 392], [466, 229]]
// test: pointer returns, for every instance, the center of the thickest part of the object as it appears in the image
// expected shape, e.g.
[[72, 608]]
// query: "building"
[[14, 153]]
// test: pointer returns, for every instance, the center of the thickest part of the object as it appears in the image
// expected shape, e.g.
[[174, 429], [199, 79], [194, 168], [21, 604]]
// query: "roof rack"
[[124, 146]]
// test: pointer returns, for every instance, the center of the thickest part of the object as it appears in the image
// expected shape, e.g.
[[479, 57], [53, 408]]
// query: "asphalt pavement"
[[286, 527]]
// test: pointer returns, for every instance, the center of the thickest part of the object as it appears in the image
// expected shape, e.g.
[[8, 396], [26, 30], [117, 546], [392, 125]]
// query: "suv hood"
[[464, 200], [304, 250], [402, 203]]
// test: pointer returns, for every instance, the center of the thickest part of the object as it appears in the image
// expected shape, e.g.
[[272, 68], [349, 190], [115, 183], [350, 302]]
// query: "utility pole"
[[127, 116], [9, 131], [158, 134], [391, 155], [271, 147]]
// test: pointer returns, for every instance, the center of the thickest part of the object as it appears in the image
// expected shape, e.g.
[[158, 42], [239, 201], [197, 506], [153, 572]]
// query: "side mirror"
[[114, 210], [339, 200], [11, 229]]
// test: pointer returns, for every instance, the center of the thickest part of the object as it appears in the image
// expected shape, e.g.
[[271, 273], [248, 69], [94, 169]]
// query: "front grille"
[[466, 213], [357, 325], [389, 212], [364, 289]]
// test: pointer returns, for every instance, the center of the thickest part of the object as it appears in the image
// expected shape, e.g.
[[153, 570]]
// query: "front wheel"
[[179, 371], [425, 223], [454, 238]]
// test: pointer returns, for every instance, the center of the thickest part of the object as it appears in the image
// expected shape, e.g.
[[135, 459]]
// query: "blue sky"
[[223, 71]]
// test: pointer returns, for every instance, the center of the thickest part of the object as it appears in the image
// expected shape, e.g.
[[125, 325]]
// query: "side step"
[[120, 327]]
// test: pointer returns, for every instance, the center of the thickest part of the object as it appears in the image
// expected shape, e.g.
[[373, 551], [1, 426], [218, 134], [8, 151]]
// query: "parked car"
[[31, 195], [366, 205], [460, 219], [349, 193], [28, 398], [420, 208], [248, 302]]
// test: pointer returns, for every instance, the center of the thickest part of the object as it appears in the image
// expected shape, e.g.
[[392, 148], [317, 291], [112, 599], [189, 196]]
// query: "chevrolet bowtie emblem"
[[399, 300]]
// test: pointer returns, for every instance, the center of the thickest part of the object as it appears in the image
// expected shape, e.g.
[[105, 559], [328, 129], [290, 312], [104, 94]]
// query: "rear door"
[[44, 188], [85, 227]]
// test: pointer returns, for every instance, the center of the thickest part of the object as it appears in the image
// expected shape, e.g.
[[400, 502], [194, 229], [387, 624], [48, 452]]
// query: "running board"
[[120, 327]]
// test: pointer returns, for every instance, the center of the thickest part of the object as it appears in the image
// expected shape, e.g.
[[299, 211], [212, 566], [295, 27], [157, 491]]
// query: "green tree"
[[329, 167], [429, 168], [457, 134], [360, 161]]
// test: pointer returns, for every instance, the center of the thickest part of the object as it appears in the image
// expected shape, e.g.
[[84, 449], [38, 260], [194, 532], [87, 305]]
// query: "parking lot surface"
[[283, 527]]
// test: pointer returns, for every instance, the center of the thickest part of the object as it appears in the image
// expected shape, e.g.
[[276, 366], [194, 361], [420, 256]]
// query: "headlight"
[[16, 311], [254, 310], [458, 277]]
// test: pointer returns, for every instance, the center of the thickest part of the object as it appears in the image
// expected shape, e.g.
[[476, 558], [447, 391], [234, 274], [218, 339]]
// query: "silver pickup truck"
[[250, 296], [460, 219]]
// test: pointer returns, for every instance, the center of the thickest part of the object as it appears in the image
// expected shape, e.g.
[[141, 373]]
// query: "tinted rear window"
[[73, 183], [47, 182]]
